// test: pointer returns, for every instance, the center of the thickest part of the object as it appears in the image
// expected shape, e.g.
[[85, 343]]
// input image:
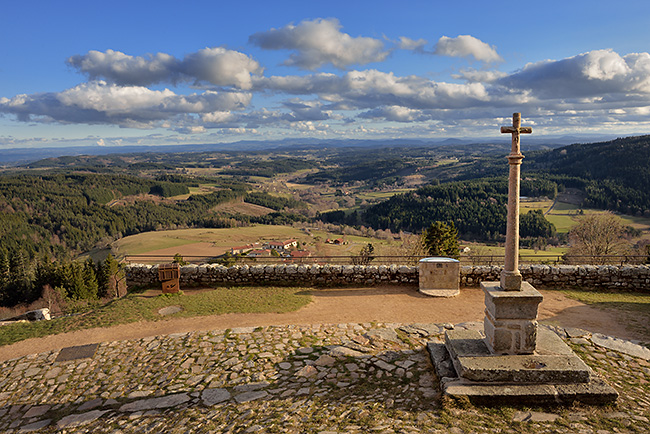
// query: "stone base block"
[[596, 392], [511, 318], [439, 277], [510, 336], [553, 375], [511, 281]]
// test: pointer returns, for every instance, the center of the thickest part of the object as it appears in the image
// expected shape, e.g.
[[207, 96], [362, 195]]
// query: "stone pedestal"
[[439, 277], [510, 323], [553, 375]]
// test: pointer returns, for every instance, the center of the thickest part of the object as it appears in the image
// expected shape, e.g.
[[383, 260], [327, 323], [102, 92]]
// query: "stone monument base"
[[553, 374], [439, 277], [511, 318]]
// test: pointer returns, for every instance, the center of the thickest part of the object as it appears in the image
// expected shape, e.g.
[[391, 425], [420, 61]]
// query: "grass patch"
[[151, 241], [528, 205], [134, 308], [564, 206], [563, 223]]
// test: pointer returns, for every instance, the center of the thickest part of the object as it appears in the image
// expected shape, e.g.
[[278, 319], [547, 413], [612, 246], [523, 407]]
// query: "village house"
[[337, 241], [243, 249], [258, 253], [299, 255], [282, 245]]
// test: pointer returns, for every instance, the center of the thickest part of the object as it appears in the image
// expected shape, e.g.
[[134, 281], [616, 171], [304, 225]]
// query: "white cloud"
[[395, 114], [221, 67], [466, 46], [307, 110], [411, 44], [372, 88], [603, 74], [98, 102], [217, 66], [320, 42], [479, 76]]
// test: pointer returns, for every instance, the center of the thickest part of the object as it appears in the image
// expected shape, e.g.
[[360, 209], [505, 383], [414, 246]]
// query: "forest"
[[477, 208]]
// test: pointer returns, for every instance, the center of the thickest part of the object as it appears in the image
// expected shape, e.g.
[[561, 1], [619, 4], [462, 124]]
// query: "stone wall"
[[298, 275], [632, 277]]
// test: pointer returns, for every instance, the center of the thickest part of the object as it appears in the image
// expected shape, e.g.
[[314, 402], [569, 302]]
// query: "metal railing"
[[548, 259]]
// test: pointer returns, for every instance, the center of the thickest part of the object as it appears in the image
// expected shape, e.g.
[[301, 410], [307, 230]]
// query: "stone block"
[[524, 369], [439, 277], [463, 343], [594, 392], [510, 336], [511, 304], [511, 281]]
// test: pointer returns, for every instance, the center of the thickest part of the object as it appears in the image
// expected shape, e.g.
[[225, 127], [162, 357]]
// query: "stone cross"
[[511, 277]]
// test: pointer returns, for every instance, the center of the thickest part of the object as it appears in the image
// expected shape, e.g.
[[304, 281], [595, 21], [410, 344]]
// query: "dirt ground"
[[350, 305]]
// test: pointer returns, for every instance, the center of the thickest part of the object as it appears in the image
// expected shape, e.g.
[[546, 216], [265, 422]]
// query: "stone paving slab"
[[525, 369], [76, 353], [280, 379]]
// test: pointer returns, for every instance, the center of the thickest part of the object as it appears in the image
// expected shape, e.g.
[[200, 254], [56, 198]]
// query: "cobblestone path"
[[324, 379]]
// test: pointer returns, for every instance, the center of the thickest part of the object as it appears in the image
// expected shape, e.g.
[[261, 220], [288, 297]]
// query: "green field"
[[224, 239], [563, 223], [565, 215], [378, 195], [499, 251], [526, 206], [563, 206], [229, 237]]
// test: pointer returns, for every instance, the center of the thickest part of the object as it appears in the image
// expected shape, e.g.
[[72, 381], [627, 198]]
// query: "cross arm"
[[520, 130]]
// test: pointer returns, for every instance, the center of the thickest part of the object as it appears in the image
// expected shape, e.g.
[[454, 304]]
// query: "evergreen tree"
[[365, 255], [178, 259], [441, 239], [90, 279]]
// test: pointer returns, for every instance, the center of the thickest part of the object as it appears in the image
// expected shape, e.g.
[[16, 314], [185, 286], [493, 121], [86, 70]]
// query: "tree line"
[[23, 281], [476, 208]]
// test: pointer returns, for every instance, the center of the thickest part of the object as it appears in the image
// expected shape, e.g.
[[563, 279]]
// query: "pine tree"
[[91, 287], [441, 239]]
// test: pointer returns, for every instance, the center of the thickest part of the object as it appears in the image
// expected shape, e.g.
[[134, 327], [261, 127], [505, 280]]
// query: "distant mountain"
[[17, 156]]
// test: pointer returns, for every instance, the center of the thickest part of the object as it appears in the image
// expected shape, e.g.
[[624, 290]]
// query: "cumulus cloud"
[[479, 76], [307, 110], [98, 102], [411, 44], [372, 88], [395, 114], [218, 66], [600, 74], [466, 46], [320, 42]]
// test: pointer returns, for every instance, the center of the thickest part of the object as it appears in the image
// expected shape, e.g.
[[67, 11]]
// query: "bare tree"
[[597, 238]]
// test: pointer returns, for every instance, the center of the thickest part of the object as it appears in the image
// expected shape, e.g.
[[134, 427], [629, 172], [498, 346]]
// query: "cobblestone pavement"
[[346, 378]]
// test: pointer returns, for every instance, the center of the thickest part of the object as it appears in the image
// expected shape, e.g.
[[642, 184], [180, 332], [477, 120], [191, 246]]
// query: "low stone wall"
[[298, 275], [632, 277]]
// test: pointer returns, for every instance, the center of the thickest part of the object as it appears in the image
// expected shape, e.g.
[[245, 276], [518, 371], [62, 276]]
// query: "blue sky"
[[169, 72]]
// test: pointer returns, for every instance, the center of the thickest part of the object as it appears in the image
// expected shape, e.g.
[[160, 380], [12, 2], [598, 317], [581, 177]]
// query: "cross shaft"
[[511, 277]]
